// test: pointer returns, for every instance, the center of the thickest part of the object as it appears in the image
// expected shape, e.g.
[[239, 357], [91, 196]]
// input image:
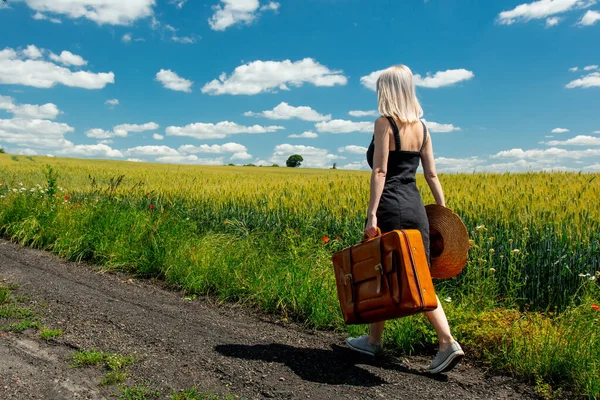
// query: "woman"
[[399, 143]]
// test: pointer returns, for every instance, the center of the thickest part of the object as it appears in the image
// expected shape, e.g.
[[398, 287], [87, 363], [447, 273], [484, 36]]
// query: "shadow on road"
[[333, 367]]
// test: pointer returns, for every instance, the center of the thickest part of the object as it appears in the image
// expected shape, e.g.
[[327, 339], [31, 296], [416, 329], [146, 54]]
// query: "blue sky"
[[506, 86]]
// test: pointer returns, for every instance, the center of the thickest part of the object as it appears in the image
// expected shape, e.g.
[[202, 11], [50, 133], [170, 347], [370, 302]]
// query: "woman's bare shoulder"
[[382, 123]]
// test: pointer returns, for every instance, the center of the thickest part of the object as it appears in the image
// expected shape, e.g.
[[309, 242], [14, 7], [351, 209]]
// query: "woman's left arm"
[[380, 159]]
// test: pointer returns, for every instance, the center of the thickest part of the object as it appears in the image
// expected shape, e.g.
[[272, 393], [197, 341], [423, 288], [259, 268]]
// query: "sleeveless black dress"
[[401, 206]]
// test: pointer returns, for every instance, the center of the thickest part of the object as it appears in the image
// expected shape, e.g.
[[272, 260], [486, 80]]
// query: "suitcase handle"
[[366, 239]]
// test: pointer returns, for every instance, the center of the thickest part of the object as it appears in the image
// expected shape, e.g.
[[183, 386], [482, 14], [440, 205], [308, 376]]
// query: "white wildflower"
[[492, 269], [448, 299], [516, 251]]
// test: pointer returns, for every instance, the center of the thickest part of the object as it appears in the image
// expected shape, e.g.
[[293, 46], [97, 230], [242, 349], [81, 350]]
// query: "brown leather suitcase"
[[384, 278]]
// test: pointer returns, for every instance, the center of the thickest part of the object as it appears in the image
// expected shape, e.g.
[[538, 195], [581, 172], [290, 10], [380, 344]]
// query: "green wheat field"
[[527, 303]]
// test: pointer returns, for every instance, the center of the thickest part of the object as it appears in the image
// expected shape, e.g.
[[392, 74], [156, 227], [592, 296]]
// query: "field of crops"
[[264, 235]]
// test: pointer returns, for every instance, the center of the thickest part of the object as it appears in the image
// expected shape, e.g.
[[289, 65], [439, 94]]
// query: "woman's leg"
[[376, 333], [439, 321]]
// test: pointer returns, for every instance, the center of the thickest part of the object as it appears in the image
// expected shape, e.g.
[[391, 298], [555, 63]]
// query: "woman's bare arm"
[[380, 160], [431, 174]]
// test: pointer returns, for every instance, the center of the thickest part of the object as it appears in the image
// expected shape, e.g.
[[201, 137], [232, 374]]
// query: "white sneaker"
[[361, 344], [446, 360]]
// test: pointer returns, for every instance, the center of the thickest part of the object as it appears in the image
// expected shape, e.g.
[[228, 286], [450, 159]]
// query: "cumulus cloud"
[[43, 17], [90, 150], [171, 80], [590, 18], [191, 159], [178, 3], [121, 130], [269, 76], [45, 111], [285, 111], [552, 21], [126, 38], [590, 68], [233, 12], [560, 130], [150, 151], [548, 155], [305, 135], [574, 69], [220, 130], [580, 140], [448, 165], [112, 103], [442, 128], [156, 136], [313, 157], [355, 165], [590, 80], [359, 113], [344, 126], [39, 133], [27, 67], [437, 80], [68, 59], [110, 12], [352, 149], [540, 9], [214, 149]]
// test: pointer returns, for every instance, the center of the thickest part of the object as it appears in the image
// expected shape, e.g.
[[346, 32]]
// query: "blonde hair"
[[397, 96]]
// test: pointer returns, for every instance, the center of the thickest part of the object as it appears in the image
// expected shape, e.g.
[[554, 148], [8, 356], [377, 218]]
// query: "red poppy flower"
[[325, 239], [595, 307], [66, 198], [151, 207], [193, 248], [165, 213]]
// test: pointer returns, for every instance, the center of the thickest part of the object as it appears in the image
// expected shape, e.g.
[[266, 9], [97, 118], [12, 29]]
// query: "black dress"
[[401, 206]]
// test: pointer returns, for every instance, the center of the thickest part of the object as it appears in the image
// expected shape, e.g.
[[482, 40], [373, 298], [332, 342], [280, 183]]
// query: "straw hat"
[[449, 242]]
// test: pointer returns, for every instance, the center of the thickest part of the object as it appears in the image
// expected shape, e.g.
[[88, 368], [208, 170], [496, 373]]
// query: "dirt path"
[[182, 344]]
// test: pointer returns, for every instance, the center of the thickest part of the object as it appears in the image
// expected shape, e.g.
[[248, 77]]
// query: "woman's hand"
[[371, 227]]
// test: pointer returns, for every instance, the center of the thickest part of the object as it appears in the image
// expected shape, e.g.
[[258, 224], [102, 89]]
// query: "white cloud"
[[540, 9], [596, 132], [27, 152], [214, 149], [313, 157], [268, 76], [592, 168], [68, 59], [355, 166], [358, 113], [548, 155], [590, 18], [285, 111], [43, 17], [590, 80], [32, 52], [305, 135], [150, 151], [436, 127], [134, 160], [444, 164], [178, 3], [552, 21], [560, 130], [126, 38], [156, 136], [185, 39], [192, 159], [574, 69], [121, 130], [352, 149], [19, 69], [111, 12], [220, 130], [241, 156], [46, 111], [91, 150], [580, 140], [437, 80], [38, 133], [171, 80], [112, 103], [590, 67], [344, 126], [232, 12]]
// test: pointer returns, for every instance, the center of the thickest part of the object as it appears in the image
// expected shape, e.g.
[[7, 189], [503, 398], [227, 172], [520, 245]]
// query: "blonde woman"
[[400, 142]]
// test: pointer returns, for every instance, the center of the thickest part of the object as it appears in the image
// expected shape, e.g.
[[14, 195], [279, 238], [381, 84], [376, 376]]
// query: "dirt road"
[[181, 344]]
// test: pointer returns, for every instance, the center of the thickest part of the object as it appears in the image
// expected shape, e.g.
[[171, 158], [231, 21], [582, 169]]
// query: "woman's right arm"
[[431, 174]]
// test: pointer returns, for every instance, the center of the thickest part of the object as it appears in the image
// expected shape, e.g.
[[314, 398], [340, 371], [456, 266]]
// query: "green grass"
[[4, 295], [47, 333], [113, 377], [15, 311], [194, 394], [138, 393], [111, 361], [21, 326]]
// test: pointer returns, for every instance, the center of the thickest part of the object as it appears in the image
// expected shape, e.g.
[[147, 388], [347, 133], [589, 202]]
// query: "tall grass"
[[265, 236]]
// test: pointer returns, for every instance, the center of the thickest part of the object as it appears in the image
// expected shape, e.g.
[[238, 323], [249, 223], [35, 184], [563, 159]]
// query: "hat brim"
[[449, 242]]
